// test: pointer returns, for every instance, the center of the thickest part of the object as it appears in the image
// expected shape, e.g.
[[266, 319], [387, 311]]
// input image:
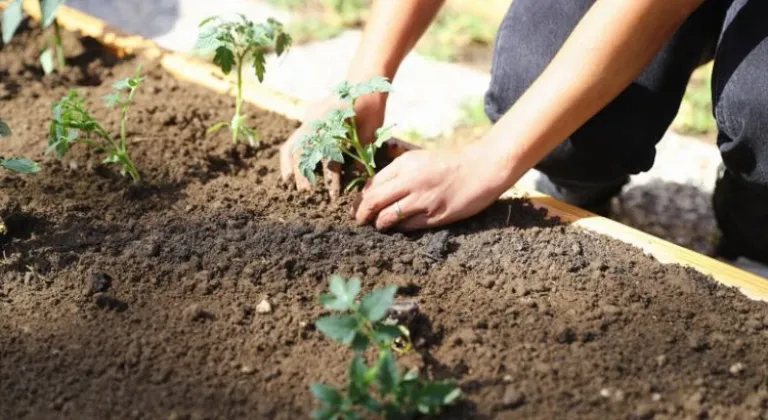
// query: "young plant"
[[378, 390], [54, 54], [336, 136], [19, 165], [235, 45], [72, 124]]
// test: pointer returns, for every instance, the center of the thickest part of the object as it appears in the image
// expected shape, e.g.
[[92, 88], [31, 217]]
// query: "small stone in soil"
[[100, 283], [736, 368], [264, 307], [513, 398], [437, 247]]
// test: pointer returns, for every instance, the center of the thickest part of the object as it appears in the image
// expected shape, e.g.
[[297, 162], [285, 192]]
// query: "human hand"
[[429, 188], [369, 111]]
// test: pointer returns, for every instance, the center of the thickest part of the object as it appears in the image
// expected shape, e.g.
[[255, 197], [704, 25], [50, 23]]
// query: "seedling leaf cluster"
[[72, 124], [53, 55], [379, 389], [19, 165], [235, 45], [336, 136]]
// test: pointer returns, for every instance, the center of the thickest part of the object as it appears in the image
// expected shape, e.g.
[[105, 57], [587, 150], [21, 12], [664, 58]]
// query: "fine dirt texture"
[[146, 302]]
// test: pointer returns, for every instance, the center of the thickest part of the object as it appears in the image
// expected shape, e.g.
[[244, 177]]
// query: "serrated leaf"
[[48, 10], [308, 160], [344, 292], [327, 394], [207, 41], [340, 328], [20, 165], [375, 305], [224, 58], [46, 61], [388, 375], [259, 65], [282, 43], [5, 130], [382, 135], [13, 15], [376, 84], [344, 91]]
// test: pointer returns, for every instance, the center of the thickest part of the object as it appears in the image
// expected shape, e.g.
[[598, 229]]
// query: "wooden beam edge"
[[188, 69]]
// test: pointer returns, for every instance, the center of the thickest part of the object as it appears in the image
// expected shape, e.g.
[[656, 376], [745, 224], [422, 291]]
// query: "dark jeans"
[[592, 165]]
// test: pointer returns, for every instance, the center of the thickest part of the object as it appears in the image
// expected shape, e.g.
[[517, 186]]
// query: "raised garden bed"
[[533, 318]]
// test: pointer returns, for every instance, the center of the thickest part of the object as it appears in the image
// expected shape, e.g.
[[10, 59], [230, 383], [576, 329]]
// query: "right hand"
[[370, 116]]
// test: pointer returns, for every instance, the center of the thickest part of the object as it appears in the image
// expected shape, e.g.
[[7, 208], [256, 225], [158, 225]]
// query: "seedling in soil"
[[378, 390], [72, 124], [235, 45], [53, 55], [336, 136], [19, 165]]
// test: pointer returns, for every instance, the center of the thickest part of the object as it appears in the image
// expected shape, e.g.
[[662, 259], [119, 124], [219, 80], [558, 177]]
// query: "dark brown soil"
[[121, 301]]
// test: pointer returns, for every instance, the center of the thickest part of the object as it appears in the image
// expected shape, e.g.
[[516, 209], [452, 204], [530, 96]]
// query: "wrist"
[[501, 169]]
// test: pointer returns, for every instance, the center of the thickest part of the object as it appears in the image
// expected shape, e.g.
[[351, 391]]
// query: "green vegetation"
[[379, 390], [337, 136], [19, 165], [453, 32], [695, 114], [73, 124], [54, 54], [323, 19], [234, 45]]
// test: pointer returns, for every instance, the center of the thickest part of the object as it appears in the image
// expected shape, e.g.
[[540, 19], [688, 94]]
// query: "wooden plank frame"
[[189, 69]]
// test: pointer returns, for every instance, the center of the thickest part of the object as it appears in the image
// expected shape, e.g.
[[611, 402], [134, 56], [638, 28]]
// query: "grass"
[[695, 115]]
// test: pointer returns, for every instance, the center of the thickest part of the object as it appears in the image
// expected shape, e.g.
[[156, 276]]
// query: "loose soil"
[[122, 301]]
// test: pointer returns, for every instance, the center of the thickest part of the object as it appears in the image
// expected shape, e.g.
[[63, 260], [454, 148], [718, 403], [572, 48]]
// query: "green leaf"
[[122, 84], [252, 135], [259, 64], [343, 294], [46, 61], [386, 334], [12, 17], [5, 130], [48, 9], [360, 343], [383, 134], [388, 375], [207, 21], [20, 165], [218, 126], [412, 375], [282, 43], [207, 41], [340, 328], [328, 395], [224, 58], [375, 305], [325, 413], [376, 84], [112, 99], [434, 395]]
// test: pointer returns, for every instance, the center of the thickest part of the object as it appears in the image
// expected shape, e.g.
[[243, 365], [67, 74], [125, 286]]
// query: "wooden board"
[[204, 74]]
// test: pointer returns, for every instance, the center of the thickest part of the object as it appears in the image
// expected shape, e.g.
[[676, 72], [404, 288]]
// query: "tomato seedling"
[[235, 45], [72, 124], [54, 54], [336, 136], [19, 165], [379, 390]]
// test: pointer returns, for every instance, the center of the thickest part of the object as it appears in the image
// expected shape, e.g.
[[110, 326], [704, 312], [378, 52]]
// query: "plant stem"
[[58, 45], [239, 99], [360, 150]]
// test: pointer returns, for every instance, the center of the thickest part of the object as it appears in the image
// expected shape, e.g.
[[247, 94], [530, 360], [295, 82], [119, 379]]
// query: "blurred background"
[[439, 90]]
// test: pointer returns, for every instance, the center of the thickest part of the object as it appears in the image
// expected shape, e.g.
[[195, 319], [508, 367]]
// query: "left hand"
[[429, 188]]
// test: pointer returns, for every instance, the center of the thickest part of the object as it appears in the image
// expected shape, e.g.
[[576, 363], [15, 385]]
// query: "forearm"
[[607, 50], [391, 32]]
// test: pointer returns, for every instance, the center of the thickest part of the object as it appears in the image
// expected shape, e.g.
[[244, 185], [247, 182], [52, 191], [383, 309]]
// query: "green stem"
[[239, 99], [364, 158], [58, 45]]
